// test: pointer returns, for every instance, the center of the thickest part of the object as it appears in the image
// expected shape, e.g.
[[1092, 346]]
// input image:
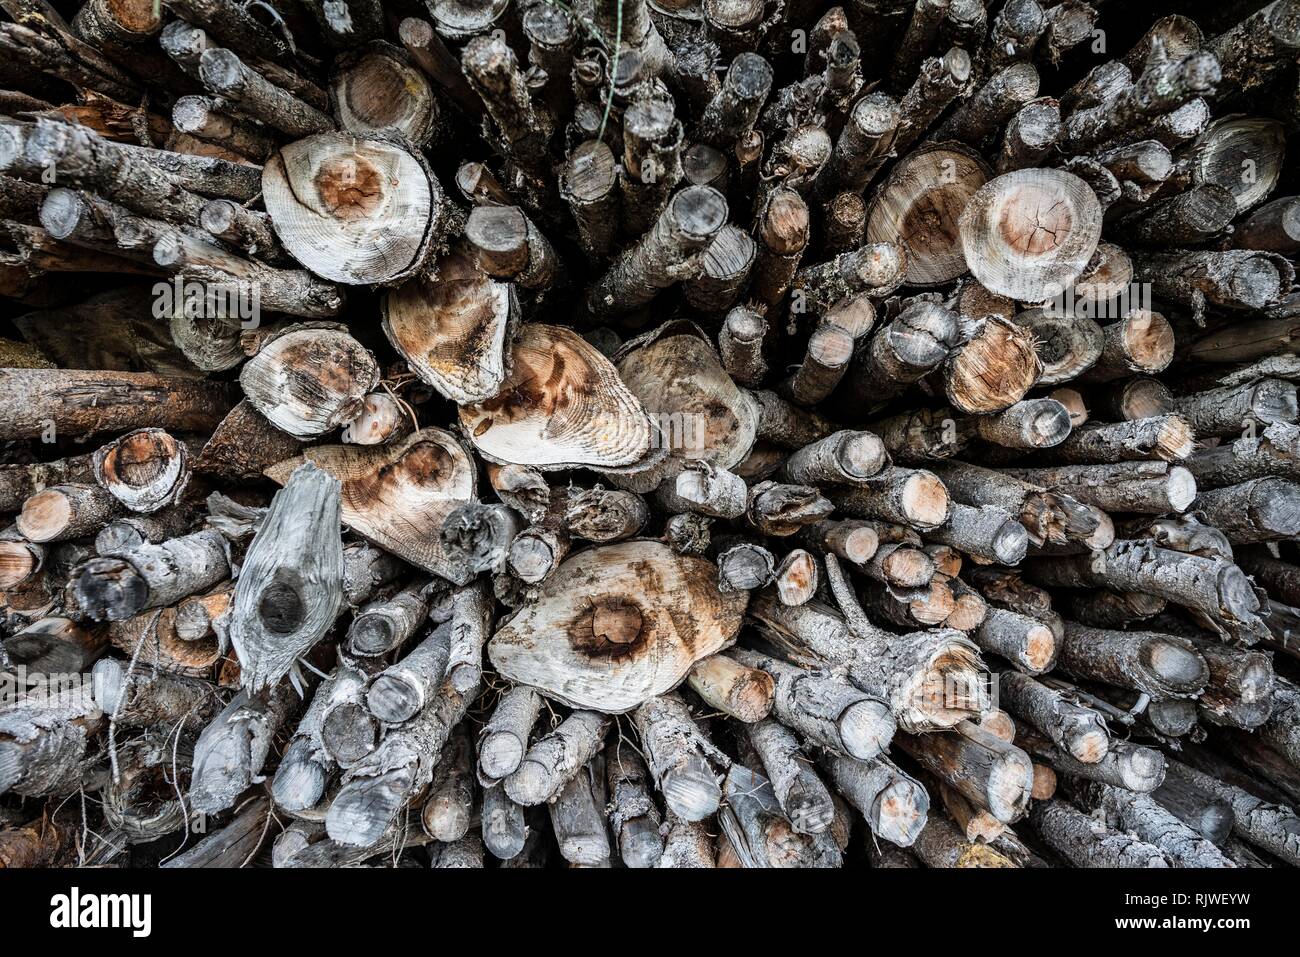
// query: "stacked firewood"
[[729, 433]]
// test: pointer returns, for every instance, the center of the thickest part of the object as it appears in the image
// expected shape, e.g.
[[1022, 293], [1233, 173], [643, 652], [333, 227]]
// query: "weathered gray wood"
[[376, 789], [151, 576], [634, 817], [895, 804], [1074, 835], [231, 751], [825, 709], [988, 771], [1271, 827], [759, 833], [448, 809], [681, 758], [504, 739], [290, 588], [405, 688], [799, 792], [556, 757]]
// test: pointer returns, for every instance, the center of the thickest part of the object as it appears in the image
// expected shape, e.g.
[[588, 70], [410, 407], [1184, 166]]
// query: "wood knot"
[[280, 608], [611, 627], [350, 187]]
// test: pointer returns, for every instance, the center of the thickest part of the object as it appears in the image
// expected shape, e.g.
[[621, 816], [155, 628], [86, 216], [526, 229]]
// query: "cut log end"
[[866, 728]]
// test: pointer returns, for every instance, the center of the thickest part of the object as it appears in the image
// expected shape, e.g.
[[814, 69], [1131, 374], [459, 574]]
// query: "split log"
[[290, 586]]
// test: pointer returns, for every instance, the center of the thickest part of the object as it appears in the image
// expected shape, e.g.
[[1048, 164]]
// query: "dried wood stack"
[[649, 434]]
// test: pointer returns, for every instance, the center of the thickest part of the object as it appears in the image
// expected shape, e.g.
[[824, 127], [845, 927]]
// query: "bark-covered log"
[[1258, 510], [556, 758], [991, 773], [404, 688], [377, 788], [148, 576], [1073, 727], [1214, 587], [825, 709], [682, 760], [743, 691], [1163, 666], [1271, 827], [891, 667], [760, 834], [1077, 837], [895, 804], [1240, 690], [86, 403], [1143, 817]]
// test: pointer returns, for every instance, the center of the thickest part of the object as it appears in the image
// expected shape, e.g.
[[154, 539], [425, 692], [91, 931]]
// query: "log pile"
[[719, 433]]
